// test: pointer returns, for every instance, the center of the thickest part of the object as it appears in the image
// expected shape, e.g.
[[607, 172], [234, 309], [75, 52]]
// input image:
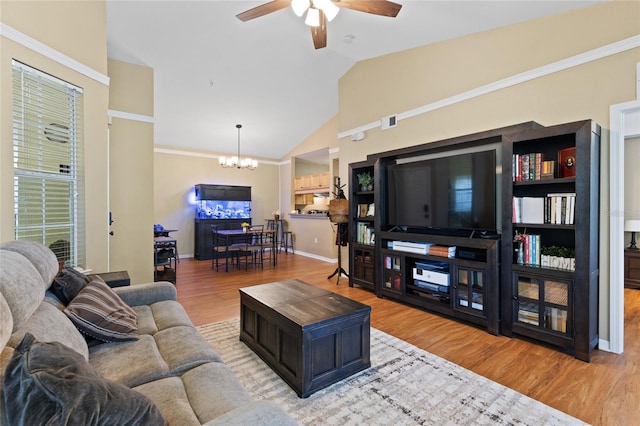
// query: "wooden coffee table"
[[311, 337]]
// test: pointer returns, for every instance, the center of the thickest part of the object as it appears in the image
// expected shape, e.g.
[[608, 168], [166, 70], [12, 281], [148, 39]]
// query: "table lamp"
[[632, 226]]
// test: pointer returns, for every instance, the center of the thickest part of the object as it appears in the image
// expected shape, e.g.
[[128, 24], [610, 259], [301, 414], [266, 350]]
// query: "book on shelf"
[[528, 210], [556, 319], [443, 251], [531, 245], [555, 209], [560, 208], [548, 169], [531, 166], [365, 233]]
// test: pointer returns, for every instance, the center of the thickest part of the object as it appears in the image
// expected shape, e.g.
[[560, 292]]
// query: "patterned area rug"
[[404, 386]]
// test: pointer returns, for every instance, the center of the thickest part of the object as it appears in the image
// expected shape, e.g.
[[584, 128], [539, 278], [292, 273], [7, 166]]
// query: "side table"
[[114, 279], [632, 268]]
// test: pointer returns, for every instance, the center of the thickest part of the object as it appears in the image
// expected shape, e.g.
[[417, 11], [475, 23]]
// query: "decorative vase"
[[276, 216], [363, 188], [244, 229], [370, 187], [520, 254]]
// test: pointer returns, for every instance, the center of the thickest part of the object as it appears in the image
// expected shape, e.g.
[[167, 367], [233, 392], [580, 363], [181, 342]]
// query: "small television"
[[449, 195]]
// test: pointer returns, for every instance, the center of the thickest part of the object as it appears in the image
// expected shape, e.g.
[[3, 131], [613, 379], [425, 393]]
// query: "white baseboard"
[[282, 253], [604, 345], [313, 256]]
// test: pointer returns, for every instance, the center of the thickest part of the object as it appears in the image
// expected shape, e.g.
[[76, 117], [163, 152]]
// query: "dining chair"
[[271, 239], [221, 248], [253, 249]]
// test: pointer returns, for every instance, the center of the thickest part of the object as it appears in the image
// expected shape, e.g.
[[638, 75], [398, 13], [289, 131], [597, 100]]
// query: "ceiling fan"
[[320, 11]]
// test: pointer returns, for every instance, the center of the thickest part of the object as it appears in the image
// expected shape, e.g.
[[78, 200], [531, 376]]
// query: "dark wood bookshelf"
[[497, 304]]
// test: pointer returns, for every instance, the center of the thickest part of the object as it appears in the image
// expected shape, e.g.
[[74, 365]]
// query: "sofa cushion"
[[171, 399], [160, 316], [67, 284], [98, 312], [48, 383], [146, 322], [21, 286], [169, 314], [217, 379], [49, 324], [6, 322], [130, 363], [40, 256], [172, 343]]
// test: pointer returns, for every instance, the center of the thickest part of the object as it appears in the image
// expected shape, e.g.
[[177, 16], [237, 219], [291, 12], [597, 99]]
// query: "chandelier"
[[313, 8], [236, 161]]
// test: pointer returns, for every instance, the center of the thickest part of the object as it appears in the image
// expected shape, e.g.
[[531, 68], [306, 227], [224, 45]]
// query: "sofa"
[[55, 369]]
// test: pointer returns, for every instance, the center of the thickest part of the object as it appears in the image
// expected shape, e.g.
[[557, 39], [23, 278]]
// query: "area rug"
[[404, 386]]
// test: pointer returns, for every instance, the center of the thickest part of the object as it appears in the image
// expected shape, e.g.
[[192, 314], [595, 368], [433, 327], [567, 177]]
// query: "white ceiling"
[[213, 71]]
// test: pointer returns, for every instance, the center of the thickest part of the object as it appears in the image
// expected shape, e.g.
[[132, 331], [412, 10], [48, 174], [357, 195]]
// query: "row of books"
[[554, 318], [555, 209], [365, 233], [444, 251], [532, 166], [531, 249]]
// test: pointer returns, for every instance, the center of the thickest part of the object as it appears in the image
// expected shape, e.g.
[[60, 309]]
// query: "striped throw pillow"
[[100, 313]]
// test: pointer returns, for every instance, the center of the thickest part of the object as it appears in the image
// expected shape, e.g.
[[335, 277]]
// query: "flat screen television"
[[444, 195]]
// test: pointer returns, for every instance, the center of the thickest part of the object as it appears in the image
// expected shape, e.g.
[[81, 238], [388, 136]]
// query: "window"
[[48, 163]]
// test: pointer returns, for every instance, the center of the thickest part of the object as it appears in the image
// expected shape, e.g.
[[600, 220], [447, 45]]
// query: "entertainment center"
[[439, 230]]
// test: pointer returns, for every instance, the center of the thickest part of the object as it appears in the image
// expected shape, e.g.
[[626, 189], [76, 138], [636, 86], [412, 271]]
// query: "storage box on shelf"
[[557, 305]]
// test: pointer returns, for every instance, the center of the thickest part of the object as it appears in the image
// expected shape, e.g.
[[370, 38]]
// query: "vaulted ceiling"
[[212, 71]]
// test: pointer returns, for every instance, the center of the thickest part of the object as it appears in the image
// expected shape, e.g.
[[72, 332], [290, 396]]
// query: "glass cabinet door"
[[543, 302], [529, 300], [363, 265], [392, 273], [470, 290], [556, 310]]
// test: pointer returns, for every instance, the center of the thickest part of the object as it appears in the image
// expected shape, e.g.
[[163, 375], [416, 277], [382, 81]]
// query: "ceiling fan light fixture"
[[313, 17], [300, 6], [328, 7]]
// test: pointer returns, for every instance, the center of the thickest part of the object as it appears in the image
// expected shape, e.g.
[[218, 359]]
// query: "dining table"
[[229, 236]]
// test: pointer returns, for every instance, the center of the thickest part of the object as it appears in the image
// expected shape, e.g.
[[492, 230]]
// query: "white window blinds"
[[48, 163]]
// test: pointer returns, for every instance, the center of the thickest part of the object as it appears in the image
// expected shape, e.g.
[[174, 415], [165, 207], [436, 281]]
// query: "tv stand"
[[473, 290]]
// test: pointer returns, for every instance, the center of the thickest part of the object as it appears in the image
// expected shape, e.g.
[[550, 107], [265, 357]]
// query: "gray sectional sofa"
[[168, 374]]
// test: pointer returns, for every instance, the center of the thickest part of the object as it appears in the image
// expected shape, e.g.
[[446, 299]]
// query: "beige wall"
[[631, 183], [131, 171], [176, 174], [79, 32], [314, 237], [428, 74]]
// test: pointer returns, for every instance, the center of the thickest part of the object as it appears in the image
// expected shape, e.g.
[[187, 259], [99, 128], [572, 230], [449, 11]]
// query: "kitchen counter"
[[308, 216]]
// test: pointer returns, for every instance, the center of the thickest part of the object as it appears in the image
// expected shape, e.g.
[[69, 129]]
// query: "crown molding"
[[171, 151], [48, 52], [573, 61], [130, 116]]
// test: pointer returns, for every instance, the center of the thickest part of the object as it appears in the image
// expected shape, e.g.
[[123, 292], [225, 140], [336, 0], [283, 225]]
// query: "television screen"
[[452, 193]]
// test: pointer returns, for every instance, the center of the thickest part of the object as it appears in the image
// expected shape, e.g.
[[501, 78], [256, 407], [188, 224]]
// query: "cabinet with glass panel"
[[469, 290], [550, 236]]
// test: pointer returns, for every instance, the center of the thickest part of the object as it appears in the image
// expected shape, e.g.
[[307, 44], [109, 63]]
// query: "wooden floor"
[[603, 392]]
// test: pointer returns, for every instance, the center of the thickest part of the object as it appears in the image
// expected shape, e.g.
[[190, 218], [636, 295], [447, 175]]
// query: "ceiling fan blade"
[[319, 33], [263, 9], [375, 7]]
